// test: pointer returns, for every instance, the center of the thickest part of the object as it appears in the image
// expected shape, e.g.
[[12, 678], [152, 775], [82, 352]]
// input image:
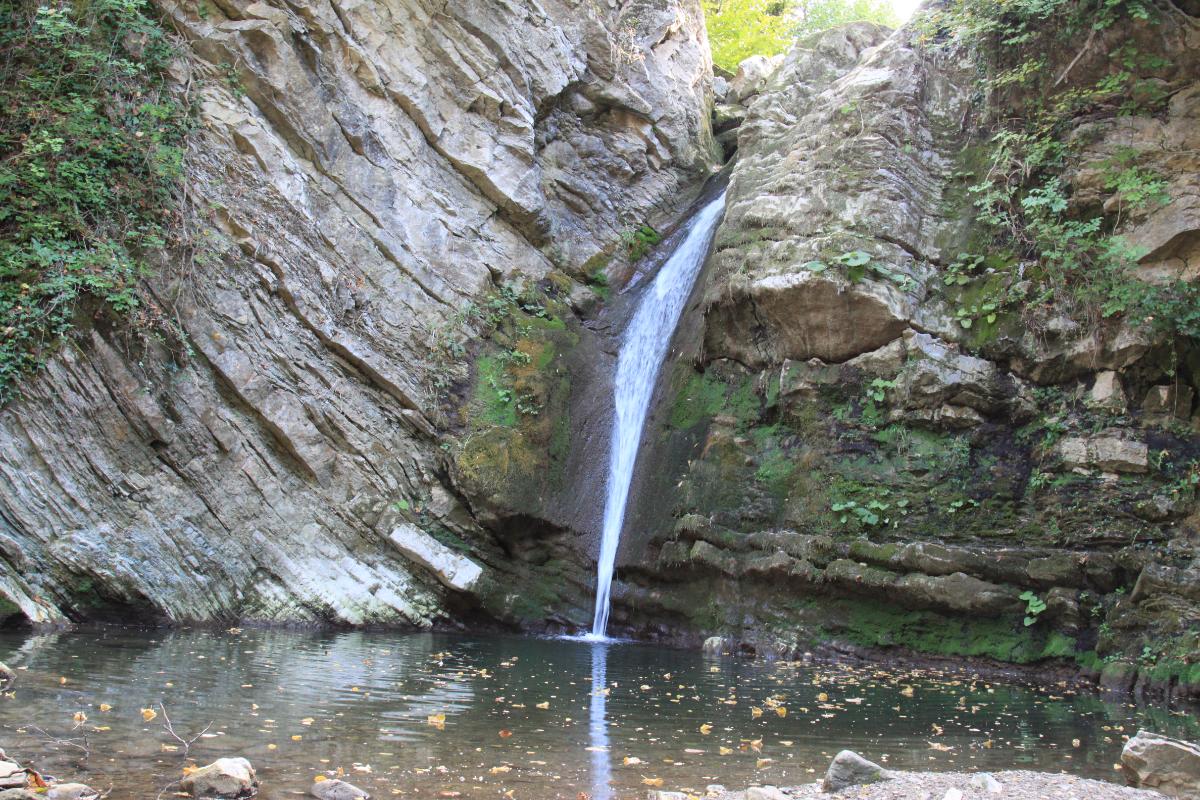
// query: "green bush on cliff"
[[1066, 258], [91, 150]]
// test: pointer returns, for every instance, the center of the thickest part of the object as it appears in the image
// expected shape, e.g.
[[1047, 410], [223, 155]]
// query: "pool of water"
[[434, 715]]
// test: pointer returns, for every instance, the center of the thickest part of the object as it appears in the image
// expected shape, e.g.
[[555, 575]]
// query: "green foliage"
[[1034, 605], [738, 29], [1066, 258], [91, 150]]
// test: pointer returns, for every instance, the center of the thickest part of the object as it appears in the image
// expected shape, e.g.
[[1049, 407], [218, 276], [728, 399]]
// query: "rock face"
[[856, 462], [850, 769], [363, 175], [337, 790], [1171, 766]]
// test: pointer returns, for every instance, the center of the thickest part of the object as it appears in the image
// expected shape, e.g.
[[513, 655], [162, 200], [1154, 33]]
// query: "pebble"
[[1016, 785]]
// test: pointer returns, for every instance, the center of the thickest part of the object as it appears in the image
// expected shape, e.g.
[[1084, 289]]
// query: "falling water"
[[641, 357]]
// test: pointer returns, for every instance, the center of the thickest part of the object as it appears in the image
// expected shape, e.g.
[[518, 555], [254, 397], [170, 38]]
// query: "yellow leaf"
[[706, 729], [79, 718], [822, 698], [755, 712], [297, 738], [544, 705], [500, 769], [436, 720], [631, 760], [62, 681], [272, 746], [307, 721], [105, 707], [652, 781], [726, 751], [148, 714], [762, 762], [320, 778], [504, 734], [907, 691], [188, 770], [780, 711]]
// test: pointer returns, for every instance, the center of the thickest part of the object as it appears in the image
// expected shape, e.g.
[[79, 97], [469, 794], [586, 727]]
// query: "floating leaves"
[[149, 714]]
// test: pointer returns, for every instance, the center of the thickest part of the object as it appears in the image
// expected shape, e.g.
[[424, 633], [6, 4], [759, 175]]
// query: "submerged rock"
[[71, 791], [337, 790], [224, 778], [1172, 766], [715, 645], [851, 769]]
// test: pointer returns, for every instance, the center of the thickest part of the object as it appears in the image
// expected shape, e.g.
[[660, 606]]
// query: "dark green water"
[[299, 703]]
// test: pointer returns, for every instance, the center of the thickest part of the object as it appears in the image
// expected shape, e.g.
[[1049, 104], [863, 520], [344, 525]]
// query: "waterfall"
[[642, 352]]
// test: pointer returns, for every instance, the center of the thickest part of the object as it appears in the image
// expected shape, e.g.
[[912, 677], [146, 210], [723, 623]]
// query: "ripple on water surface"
[[540, 718]]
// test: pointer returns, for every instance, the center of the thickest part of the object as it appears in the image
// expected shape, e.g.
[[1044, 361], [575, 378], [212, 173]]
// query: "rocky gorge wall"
[[856, 466], [371, 186]]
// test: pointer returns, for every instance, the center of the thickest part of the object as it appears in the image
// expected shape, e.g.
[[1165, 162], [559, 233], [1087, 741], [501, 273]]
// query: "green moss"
[[699, 400], [492, 395], [876, 625]]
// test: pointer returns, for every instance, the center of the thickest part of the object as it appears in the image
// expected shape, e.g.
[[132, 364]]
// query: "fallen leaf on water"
[[500, 769], [544, 705], [307, 721], [510, 793], [436, 720], [762, 762], [148, 714], [823, 698], [755, 712], [726, 751], [941, 748], [272, 746], [79, 718], [692, 751], [105, 707], [297, 738], [907, 691], [652, 781], [631, 760], [781, 711], [505, 734], [706, 729]]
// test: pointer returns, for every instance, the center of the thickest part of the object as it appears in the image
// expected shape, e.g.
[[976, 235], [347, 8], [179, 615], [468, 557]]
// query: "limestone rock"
[[452, 569], [808, 183], [937, 376], [1172, 766], [1106, 392], [18, 794], [363, 172], [850, 769], [1107, 451], [752, 76], [224, 778], [985, 782], [715, 646], [337, 790], [12, 775]]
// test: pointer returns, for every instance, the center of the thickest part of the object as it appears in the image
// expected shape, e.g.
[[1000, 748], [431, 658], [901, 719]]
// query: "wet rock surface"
[[1171, 766]]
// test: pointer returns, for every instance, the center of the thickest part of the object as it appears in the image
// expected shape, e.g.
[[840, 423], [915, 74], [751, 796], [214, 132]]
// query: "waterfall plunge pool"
[[542, 718]]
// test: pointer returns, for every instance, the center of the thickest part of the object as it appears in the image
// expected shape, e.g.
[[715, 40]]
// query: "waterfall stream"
[[642, 352]]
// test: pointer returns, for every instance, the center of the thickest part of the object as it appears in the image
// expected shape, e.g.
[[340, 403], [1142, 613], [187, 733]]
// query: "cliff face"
[[364, 178], [858, 465]]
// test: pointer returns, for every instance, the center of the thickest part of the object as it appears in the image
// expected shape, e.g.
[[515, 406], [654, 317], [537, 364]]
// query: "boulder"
[[985, 782], [752, 76], [1172, 766], [7, 676], [337, 790], [765, 793], [224, 778], [18, 794], [715, 646], [452, 570], [850, 769], [1106, 393], [12, 775], [70, 791]]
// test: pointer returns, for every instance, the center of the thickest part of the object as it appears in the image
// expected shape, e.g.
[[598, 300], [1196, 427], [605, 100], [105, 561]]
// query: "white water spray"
[[642, 352]]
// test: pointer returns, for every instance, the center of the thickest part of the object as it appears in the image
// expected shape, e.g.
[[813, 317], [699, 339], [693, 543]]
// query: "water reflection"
[[598, 727]]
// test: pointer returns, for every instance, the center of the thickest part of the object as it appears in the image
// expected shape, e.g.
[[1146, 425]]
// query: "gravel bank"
[[1015, 785]]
